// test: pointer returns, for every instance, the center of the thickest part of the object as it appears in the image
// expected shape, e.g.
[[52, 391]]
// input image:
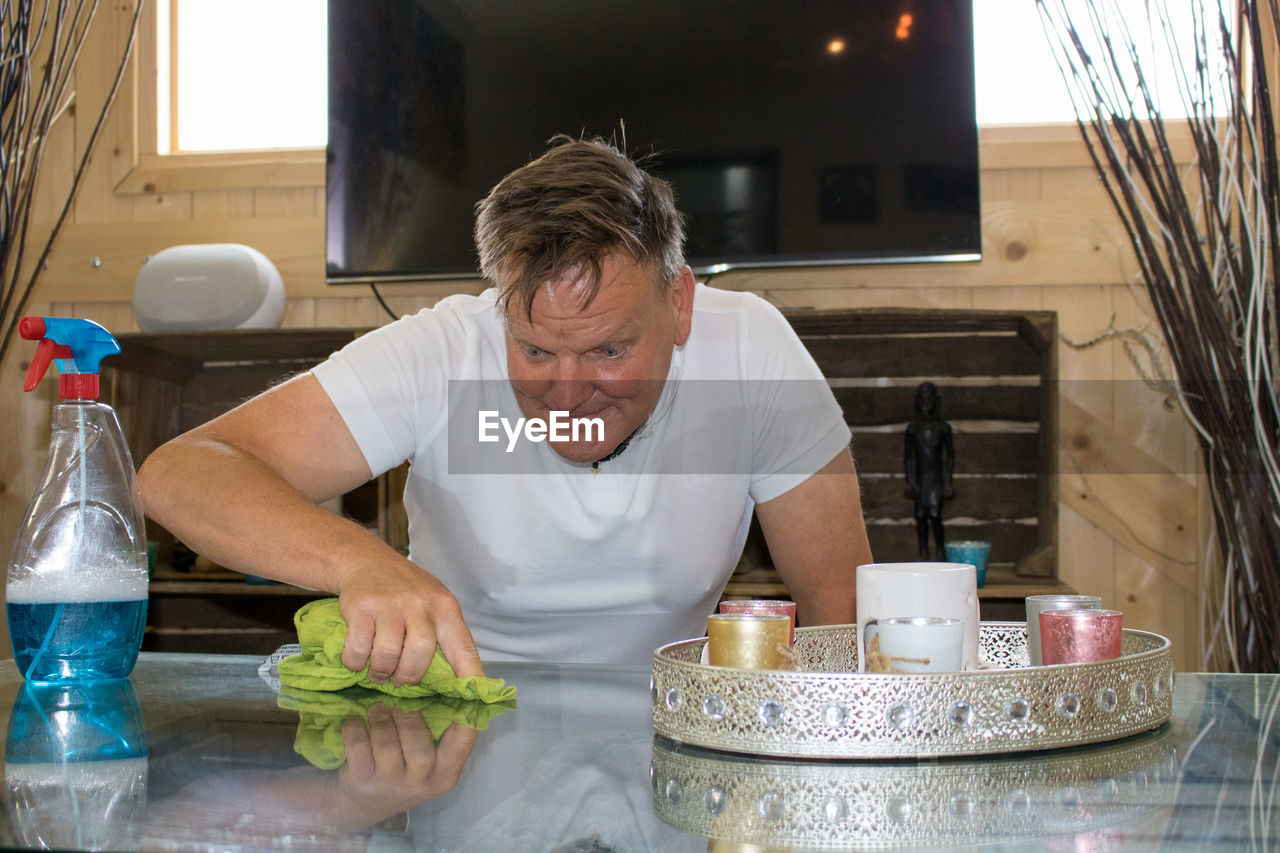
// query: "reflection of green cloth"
[[321, 715], [322, 634]]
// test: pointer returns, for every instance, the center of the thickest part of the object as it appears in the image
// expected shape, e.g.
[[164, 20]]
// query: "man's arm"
[[817, 538], [243, 489]]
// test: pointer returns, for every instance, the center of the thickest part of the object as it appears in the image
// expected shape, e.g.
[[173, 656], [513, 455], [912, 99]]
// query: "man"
[[697, 405]]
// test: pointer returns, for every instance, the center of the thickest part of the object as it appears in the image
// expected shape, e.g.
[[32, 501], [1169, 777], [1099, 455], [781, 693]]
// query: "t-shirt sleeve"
[[798, 426], [390, 387]]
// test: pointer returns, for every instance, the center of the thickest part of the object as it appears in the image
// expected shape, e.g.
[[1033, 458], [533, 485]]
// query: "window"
[[1018, 80], [244, 74]]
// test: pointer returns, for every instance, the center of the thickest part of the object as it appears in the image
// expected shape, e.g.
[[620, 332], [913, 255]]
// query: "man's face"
[[605, 360]]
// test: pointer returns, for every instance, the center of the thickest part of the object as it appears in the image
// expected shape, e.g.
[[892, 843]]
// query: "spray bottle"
[[76, 595]]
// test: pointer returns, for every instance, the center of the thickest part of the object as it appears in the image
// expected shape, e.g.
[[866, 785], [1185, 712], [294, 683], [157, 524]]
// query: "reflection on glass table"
[[942, 803], [75, 768], [200, 752]]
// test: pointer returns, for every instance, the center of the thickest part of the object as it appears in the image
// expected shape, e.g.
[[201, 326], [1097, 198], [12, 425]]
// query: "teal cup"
[[972, 552]]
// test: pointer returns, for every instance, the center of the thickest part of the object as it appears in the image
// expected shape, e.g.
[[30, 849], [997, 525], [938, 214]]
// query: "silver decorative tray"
[[939, 805], [827, 709]]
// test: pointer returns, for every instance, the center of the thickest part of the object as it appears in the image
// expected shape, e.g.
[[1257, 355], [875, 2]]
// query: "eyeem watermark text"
[[560, 427]]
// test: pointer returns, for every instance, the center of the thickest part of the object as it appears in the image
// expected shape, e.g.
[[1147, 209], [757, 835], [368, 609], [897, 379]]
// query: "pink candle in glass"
[[763, 606], [1079, 636]]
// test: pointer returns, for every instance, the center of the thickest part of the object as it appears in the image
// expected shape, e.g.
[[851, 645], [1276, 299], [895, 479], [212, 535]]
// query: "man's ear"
[[682, 303]]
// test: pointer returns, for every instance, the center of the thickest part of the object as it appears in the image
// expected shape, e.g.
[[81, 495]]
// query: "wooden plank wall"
[[1132, 512]]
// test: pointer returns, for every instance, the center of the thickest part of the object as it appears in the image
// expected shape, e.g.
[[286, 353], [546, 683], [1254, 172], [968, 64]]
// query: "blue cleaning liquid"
[[69, 723], [91, 641]]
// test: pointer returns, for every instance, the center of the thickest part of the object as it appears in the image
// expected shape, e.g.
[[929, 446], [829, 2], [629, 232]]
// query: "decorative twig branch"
[[1208, 246], [32, 100]]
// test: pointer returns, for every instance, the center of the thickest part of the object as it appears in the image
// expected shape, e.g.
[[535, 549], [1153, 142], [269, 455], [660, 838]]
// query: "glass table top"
[[199, 752]]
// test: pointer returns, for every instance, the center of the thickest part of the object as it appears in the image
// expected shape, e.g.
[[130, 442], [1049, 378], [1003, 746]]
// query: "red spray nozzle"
[[31, 328], [78, 346]]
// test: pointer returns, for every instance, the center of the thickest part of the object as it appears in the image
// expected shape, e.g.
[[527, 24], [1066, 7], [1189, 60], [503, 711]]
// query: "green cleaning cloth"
[[322, 633], [321, 715]]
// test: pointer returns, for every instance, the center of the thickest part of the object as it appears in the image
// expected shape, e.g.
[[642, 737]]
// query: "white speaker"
[[208, 286]]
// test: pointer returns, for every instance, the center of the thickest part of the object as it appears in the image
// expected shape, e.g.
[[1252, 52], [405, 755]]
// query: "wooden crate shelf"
[[997, 373]]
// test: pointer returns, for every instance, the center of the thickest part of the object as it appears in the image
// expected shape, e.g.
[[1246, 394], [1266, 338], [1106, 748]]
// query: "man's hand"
[[396, 613], [393, 764]]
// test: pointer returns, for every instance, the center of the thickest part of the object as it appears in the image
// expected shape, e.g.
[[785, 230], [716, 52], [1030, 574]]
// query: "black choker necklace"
[[617, 451]]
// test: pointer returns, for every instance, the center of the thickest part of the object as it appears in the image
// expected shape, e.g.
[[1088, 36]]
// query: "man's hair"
[[566, 211]]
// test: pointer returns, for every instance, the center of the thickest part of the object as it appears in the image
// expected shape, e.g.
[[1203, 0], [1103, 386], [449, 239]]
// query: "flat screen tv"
[[795, 132]]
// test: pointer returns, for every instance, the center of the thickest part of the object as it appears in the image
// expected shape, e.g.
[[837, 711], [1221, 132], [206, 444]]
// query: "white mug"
[[898, 590], [919, 644]]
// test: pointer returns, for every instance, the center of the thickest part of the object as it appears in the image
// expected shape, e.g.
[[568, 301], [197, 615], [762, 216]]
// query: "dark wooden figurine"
[[930, 461]]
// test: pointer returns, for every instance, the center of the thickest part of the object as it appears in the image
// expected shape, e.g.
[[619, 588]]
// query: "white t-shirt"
[[549, 559]]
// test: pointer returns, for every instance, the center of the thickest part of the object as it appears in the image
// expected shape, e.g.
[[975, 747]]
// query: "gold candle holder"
[[748, 641]]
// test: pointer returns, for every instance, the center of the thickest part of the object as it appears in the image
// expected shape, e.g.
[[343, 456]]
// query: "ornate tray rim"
[[829, 710]]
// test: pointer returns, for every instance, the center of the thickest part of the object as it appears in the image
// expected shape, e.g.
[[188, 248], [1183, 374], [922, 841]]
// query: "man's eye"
[[534, 352], [611, 352]]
